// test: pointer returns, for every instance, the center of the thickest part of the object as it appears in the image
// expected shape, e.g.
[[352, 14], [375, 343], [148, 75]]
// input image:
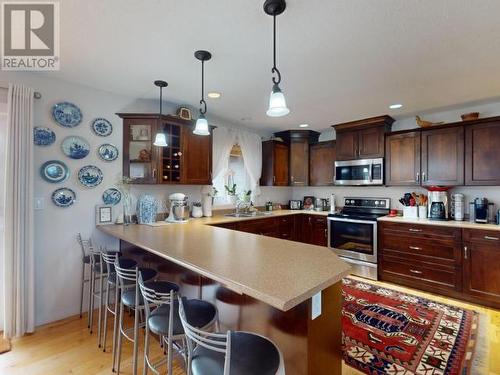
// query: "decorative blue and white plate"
[[108, 152], [54, 171], [112, 196], [67, 114], [63, 197], [90, 176], [75, 147], [102, 127], [43, 136]]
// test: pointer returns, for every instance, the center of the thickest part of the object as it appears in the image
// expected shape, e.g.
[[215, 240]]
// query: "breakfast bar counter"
[[275, 279]]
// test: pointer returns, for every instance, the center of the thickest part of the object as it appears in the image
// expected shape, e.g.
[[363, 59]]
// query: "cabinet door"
[[305, 226], [443, 157], [319, 234], [197, 158], [299, 162], [402, 164], [347, 145], [280, 168], [171, 160], [140, 157], [482, 156], [371, 143], [481, 265], [322, 163]]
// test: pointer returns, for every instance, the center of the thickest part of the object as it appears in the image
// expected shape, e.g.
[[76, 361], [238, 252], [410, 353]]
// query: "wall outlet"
[[316, 306], [39, 203]]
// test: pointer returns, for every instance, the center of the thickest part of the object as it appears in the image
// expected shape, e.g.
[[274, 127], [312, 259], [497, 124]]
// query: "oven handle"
[[372, 222]]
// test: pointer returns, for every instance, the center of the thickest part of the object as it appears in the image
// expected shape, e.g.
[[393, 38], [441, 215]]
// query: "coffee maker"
[[481, 210], [438, 206]]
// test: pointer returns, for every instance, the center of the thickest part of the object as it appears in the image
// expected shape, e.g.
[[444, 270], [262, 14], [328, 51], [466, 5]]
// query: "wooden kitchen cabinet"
[[442, 152], [275, 157], [322, 157], [362, 139], [482, 152], [314, 230], [402, 159], [186, 160]]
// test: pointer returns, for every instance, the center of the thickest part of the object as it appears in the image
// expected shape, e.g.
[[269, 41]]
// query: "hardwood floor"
[[66, 347]]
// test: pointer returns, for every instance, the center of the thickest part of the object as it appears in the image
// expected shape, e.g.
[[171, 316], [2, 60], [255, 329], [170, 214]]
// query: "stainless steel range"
[[352, 233]]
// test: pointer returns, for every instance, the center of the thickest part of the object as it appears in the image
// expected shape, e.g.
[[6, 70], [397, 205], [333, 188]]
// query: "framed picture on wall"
[[103, 214]]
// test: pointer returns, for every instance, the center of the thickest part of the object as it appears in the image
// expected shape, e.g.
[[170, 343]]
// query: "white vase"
[[197, 211], [206, 203], [233, 199]]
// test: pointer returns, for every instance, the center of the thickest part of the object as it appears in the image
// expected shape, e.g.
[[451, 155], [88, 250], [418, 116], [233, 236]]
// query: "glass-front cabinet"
[[139, 162], [171, 156]]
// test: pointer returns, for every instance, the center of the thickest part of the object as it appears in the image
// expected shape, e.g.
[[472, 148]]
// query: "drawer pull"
[[491, 238], [415, 248], [415, 230], [465, 252], [416, 272]]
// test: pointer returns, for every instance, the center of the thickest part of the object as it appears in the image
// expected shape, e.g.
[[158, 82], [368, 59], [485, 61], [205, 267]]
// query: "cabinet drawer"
[[411, 246], [423, 231], [420, 274], [491, 237], [258, 226]]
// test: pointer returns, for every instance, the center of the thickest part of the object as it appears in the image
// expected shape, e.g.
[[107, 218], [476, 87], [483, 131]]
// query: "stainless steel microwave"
[[359, 172]]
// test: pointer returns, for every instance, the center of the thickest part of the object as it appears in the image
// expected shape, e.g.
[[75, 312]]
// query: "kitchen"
[[141, 141]]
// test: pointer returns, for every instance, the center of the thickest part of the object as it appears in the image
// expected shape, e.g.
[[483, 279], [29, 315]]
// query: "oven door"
[[359, 172], [355, 239]]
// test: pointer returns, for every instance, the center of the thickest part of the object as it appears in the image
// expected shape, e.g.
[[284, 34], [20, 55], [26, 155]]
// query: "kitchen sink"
[[249, 214]]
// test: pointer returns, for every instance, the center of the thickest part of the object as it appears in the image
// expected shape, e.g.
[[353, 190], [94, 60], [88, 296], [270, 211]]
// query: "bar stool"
[[233, 352], [85, 245], [130, 297], [162, 319]]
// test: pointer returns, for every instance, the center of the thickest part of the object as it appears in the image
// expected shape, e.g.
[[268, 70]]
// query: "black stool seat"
[[199, 313], [249, 354], [128, 297], [86, 258]]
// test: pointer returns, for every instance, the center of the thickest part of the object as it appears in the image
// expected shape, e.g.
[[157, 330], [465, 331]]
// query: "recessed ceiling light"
[[303, 125], [214, 95], [395, 106]]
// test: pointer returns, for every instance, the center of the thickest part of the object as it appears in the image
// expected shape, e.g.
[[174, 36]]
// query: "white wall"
[[3, 127]]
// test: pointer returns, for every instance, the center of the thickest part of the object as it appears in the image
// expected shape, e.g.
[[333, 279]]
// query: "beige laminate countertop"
[[278, 272], [448, 223]]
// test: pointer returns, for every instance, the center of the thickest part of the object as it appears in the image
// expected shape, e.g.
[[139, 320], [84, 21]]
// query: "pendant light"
[[160, 138], [277, 102], [201, 127]]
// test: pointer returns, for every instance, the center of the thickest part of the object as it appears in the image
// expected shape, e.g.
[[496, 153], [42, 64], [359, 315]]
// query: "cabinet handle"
[[416, 272], [415, 230], [326, 233], [491, 238], [291, 179], [274, 179], [424, 177], [415, 248], [418, 177], [154, 174], [465, 252]]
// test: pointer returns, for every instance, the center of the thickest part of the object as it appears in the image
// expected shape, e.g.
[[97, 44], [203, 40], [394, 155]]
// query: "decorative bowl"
[[470, 116]]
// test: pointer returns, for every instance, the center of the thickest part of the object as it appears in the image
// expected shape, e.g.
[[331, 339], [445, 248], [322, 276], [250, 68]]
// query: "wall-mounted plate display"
[[75, 147], [112, 196], [90, 176], [67, 114], [54, 171], [43, 136], [108, 152], [102, 127], [63, 197]]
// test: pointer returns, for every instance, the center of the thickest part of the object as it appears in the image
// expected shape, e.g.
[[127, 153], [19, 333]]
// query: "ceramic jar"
[[147, 208], [197, 211]]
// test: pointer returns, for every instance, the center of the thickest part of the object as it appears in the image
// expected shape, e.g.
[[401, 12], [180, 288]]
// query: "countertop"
[[448, 223], [278, 272]]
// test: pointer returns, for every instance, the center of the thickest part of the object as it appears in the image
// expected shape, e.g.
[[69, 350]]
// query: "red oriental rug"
[[388, 332]]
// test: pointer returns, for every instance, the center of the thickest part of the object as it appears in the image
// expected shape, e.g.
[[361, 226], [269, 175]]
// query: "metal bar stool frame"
[[85, 245]]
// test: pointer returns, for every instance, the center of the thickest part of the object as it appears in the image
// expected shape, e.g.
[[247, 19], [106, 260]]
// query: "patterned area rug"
[[389, 332]]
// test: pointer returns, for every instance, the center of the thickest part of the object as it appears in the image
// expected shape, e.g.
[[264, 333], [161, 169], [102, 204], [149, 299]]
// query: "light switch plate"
[[39, 203], [316, 306]]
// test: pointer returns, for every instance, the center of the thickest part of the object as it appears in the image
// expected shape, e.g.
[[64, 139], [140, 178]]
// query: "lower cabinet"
[[314, 230]]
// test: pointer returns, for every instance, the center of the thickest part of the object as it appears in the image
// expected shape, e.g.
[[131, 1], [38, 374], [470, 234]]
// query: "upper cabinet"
[[298, 163], [402, 159], [275, 157], [186, 160], [321, 163], [482, 153], [362, 139]]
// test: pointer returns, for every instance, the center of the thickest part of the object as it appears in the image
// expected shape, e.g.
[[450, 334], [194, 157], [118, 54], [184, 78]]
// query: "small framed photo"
[[184, 113], [103, 214]]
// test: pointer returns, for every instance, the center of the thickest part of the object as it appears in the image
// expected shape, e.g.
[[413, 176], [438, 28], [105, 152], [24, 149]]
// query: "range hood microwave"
[[359, 172]]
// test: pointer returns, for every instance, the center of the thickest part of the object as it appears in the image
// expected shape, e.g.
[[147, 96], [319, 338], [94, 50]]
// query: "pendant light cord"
[[202, 101], [276, 80], [161, 102]]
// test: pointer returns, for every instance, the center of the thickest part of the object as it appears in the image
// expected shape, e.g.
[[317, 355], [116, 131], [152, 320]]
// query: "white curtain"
[[251, 150], [223, 140], [18, 262]]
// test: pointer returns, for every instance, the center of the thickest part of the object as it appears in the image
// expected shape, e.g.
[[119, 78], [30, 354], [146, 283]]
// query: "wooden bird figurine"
[[426, 124]]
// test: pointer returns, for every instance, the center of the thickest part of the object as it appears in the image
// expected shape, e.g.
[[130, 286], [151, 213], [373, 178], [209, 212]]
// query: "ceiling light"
[[303, 125], [201, 127], [160, 138], [277, 101], [395, 106], [214, 95]]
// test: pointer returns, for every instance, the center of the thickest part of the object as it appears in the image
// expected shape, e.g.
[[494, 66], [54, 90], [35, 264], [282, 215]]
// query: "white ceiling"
[[340, 59]]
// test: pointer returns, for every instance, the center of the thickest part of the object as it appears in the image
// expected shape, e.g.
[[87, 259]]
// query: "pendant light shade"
[[277, 103], [160, 138], [201, 127]]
